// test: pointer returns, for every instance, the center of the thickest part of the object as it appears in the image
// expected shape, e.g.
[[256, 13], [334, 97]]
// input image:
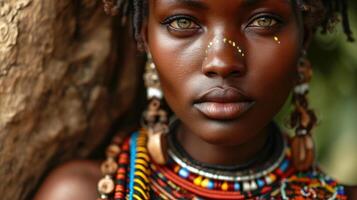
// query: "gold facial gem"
[[276, 39], [225, 40]]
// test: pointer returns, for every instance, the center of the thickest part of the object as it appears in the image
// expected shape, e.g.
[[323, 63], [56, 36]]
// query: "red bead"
[[161, 183], [266, 189], [191, 177], [279, 172], [230, 186]]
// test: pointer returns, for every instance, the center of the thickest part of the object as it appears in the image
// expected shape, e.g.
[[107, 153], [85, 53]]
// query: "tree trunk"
[[59, 85]]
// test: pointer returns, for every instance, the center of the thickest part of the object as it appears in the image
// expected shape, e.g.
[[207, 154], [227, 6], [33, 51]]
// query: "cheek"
[[177, 61], [273, 66]]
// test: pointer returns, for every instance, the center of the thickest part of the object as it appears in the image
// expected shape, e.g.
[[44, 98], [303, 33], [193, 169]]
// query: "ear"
[[144, 35]]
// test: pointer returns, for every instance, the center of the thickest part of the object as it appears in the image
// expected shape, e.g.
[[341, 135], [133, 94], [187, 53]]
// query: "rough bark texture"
[[59, 86]]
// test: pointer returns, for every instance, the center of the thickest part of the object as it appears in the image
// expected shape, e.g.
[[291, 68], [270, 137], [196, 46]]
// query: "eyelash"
[[168, 21], [277, 19]]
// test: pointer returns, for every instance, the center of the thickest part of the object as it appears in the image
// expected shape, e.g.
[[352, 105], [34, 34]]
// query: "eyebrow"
[[248, 2], [198, 4]]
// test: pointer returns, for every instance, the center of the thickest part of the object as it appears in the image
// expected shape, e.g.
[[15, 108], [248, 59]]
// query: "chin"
[[224, 132]]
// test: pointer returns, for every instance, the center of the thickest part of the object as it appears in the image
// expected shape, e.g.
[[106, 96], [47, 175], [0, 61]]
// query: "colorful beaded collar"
[[209, 183], [137, 177]]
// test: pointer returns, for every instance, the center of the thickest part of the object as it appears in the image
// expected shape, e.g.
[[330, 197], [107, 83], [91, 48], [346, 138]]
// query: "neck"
[[224, 155]]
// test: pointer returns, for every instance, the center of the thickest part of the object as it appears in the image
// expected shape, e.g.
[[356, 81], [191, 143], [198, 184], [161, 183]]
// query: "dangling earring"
[[155, 119], [303, 119]]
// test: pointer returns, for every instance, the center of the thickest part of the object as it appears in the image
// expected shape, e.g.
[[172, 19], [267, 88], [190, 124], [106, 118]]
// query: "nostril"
[[223, 72], [235, 73], [211, 74]]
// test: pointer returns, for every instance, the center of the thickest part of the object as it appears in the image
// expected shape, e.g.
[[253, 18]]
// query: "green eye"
[[183, 24], [264, 22]]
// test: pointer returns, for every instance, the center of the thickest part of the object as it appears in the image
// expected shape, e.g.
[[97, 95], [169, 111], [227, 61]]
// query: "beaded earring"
[[303, 119], [109, 168], [155, 120]]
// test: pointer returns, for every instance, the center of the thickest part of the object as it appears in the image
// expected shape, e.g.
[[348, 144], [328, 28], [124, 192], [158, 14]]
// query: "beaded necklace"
[[137, 177], [238, 174], [230, 184]]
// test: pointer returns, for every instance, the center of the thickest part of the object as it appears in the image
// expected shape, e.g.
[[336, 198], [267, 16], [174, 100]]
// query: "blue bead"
[[236, 186], [260, 183], [341, 190], [284, 165], [210, 185], [184, 173]]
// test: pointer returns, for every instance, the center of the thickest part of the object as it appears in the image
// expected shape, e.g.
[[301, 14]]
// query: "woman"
[[224, 68]]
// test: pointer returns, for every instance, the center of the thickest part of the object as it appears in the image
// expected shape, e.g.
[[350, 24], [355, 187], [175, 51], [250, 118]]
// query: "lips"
[[223, 103]]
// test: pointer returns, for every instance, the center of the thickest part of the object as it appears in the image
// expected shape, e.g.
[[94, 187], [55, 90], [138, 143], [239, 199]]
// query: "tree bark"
[[60, 89]]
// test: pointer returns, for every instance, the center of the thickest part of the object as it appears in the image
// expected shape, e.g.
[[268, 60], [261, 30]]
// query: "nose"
[[224, 58]]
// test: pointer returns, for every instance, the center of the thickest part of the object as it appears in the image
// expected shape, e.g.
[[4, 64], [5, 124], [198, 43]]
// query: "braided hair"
[[322, 14]]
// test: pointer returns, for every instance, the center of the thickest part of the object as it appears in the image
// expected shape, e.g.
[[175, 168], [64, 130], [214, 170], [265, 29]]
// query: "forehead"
[[222, 2], [226, 6]]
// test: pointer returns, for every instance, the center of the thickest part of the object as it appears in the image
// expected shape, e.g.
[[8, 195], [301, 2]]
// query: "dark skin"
[[265, 76]]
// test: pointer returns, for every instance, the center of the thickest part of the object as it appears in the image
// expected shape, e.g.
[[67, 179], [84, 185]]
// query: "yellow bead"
[[224, 186], [272, 177], [205, 182], [197, 181], [177, 168]]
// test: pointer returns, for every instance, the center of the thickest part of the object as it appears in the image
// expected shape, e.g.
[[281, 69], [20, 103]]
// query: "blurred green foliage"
[[333, 95]]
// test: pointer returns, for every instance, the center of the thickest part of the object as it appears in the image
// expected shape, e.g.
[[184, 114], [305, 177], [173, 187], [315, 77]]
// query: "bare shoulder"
[[351, 192], [72, 180]]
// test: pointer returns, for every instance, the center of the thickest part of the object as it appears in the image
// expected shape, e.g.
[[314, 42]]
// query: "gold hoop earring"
[[303, 119], [155, 119]]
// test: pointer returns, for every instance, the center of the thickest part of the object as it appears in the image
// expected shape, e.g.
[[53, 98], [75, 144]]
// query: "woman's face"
[[226, 67]]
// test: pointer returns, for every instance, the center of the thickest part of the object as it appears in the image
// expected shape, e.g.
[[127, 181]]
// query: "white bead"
[[253, 185], [246, 186], [152, 65], [268, 180], [301, 89], [302, 132], [106, 185], [154, 92]]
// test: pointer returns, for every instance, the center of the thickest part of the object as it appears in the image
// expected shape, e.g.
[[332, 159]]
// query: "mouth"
[[223, 103]]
